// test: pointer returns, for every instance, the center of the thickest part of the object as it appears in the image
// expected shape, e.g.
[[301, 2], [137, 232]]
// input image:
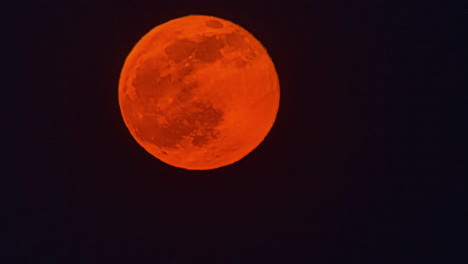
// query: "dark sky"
[[351, 172]]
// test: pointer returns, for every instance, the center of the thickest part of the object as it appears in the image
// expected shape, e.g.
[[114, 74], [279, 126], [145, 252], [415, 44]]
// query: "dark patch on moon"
[[214, 24], [197, 121], [208, 50], [235, 40], [148, 81], [148, 78], [180, 49], [186, 92], [240, 63]]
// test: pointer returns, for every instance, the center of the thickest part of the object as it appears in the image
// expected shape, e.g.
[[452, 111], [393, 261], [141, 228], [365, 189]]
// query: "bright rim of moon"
[[199, 92]]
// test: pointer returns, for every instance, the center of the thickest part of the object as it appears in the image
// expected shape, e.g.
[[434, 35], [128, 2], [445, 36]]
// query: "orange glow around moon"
[[199, 92]]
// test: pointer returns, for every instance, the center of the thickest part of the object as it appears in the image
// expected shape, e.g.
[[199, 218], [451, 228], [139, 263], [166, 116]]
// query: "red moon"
[[199, 92]]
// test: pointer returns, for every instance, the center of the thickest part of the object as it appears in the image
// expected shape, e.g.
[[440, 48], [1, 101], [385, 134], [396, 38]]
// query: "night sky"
[[351, 171]]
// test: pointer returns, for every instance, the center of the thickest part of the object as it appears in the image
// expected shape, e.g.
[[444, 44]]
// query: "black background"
[[351, 172]]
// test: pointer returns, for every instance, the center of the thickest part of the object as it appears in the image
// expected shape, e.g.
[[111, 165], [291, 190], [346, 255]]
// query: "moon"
[[199, 92]]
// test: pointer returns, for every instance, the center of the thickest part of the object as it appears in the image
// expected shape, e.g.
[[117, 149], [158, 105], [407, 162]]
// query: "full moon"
[[199, 92]]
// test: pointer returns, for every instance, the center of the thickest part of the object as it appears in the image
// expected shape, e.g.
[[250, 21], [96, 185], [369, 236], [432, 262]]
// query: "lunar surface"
[[199, 92]]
